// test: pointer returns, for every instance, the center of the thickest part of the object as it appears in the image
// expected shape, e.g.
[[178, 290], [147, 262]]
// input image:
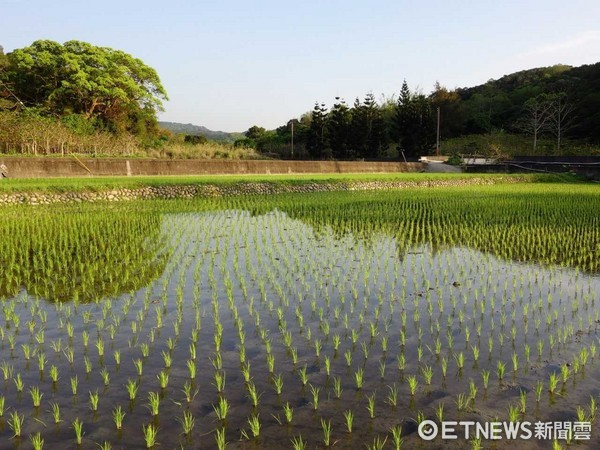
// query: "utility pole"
[[292, 138], [437, 145]]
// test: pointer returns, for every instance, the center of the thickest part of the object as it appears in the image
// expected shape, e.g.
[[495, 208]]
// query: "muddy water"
[[272, 277]]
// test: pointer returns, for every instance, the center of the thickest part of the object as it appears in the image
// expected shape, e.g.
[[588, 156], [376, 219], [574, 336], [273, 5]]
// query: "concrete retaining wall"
[[71, 167], [252, 188]]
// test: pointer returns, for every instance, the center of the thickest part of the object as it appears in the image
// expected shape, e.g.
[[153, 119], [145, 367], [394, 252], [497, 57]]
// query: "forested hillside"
[[552, 110], [80, 98]]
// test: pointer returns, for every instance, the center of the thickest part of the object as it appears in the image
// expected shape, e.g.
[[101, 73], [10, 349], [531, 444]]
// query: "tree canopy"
[[110, 87]]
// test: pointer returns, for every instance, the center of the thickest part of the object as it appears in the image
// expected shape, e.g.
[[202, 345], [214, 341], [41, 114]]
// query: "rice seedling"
[[302, 374], [7, 370], [139, 365], [485, 375], [462, 402], [187, 422], [377, 444], [439, 412], [15, 422], [150, 434], [298, 443], [564, 373], [220, 439], [188, 390], [253, 394], [539, 388], [163, 379], [460, 361], [326, 426], [553, 382], [401, 360], [358, 378], [337, 387], [74, 384], [118, 416], [288, 412], [315, 396], [36, 441], [94, 399], [19, 383], [348, 357], [392, 398], [69, 355], [246, 371], [78, 428], [427, 372], [36, 396], [153, 403], [472, 391], [501, 367], [132, 388], [55, 411], [593, 409], [254, 425], [191, 365], [105, 376], [100, 347], [514, 413], [412, 384], [397, 436], [371, 405], [42, 362], [222, 409], [88, 364]]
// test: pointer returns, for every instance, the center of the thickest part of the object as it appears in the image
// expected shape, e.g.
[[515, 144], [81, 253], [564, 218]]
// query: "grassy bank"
[[98, 184]]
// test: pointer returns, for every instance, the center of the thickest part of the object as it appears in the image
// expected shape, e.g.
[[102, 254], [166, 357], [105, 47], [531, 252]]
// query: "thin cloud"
[[583, 41]]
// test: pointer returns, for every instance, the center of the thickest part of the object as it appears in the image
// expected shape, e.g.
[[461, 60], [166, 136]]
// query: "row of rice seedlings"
[[349, 292]]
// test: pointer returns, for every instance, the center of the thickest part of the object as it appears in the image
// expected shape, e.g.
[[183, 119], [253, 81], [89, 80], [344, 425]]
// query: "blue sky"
[[229, 65]]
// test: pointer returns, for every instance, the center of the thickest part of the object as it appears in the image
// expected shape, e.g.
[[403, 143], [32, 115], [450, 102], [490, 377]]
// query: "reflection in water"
[[270, 297], [82, 255]]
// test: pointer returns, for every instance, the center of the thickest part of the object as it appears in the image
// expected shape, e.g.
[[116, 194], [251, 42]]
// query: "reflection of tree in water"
[[539, 227], [84, 254]]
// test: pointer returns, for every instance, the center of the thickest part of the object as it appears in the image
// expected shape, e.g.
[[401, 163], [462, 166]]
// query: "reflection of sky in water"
[[289, 258], [322, 255], [264, 271]]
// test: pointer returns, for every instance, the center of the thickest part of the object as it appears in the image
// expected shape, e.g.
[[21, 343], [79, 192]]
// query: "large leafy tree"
[[451, 109], [100, 83], [6, 98]]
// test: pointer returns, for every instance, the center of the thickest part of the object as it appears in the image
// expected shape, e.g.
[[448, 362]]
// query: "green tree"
[[414, 123], [97, 82], [317, 138], [338, 130], [451, 110], [7, 100], [255, 133], [368, 129]]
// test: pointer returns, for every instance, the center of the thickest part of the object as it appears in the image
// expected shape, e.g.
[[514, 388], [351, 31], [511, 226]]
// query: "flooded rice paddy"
[[220, 327]]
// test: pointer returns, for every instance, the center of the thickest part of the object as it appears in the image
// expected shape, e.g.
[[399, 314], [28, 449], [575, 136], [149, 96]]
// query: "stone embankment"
[[214, 190]]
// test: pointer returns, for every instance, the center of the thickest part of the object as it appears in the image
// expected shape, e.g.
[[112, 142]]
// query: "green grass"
[[98, 184]]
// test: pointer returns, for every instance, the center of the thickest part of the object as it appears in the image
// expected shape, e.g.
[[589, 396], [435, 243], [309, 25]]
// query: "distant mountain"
[[197, 130]]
